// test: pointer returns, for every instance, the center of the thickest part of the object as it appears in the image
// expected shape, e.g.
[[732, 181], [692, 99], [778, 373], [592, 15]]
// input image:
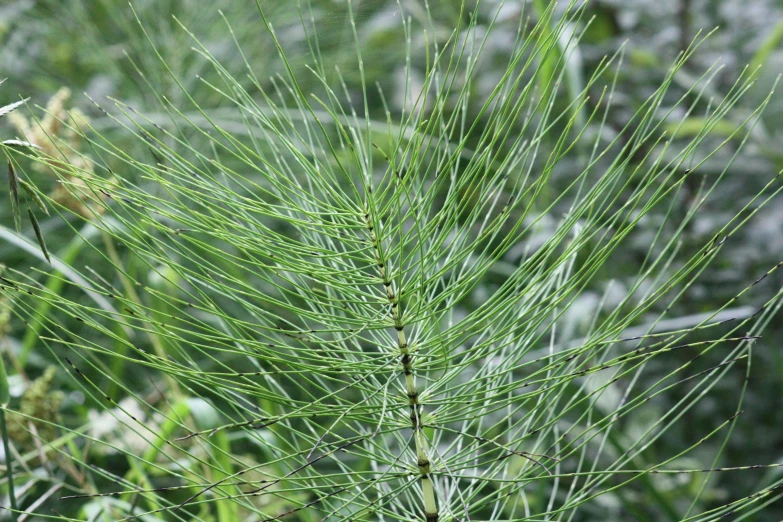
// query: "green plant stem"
[[420, 441], [9, 465]]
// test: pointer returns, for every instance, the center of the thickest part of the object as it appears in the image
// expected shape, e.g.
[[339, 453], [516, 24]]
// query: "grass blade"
[[34, 196], [39, 235]]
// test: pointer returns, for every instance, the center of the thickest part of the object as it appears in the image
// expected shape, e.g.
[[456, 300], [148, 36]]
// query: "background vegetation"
[[98, 48]]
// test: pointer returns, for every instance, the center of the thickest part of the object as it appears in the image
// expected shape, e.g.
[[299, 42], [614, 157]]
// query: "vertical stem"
[[406, 359], [9, 464]]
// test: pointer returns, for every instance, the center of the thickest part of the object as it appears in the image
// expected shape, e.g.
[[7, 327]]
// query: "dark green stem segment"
[[406, 360], [9, 464]]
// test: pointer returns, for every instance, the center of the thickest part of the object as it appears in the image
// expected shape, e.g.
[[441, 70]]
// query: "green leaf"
[[693, 126], [30, 191], [38, 235], [765, 49]]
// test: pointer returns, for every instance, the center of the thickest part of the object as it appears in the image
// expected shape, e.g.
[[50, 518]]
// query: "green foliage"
[[310, 301]]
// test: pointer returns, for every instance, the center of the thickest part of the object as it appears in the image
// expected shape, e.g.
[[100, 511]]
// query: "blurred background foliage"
[[97, 47]]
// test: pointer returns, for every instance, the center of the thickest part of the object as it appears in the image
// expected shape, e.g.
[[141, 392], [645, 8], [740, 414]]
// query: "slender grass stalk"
[[9, 462], [5, 398]]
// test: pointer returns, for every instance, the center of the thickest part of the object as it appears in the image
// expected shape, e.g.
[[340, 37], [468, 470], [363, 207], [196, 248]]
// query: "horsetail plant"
[[323, 310]]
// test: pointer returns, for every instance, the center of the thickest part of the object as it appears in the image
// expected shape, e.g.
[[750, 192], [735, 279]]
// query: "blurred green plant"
[[352, 314]]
